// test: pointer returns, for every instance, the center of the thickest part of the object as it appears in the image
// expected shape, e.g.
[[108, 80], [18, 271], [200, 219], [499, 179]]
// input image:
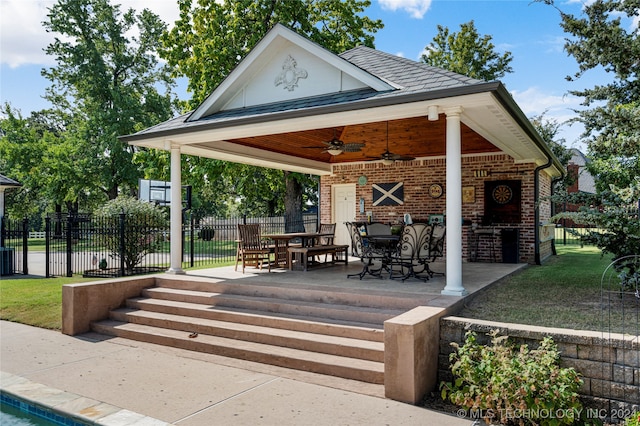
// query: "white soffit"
[[493, 122], [285, 66]]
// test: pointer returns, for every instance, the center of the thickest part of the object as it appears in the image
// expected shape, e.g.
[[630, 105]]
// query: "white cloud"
[[534, 101], [415, 8], [23, 37]]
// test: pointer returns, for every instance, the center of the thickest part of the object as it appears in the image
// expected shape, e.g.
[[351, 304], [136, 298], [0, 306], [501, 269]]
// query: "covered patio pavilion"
[[292, 105]]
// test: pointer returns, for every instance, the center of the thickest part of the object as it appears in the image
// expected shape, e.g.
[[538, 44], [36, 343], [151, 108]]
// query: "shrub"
[[145, 226], [634, 420], [510, 385], [207, 233]]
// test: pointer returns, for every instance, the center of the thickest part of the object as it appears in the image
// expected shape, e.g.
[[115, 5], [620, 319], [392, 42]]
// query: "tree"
[[599, 39], [611, 120], [467, 53], [210, 38], [107, 83], [548, 129]]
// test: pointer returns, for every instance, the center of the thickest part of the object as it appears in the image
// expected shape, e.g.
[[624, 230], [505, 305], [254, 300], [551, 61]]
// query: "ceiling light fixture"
[[334, 151], [433, 113]]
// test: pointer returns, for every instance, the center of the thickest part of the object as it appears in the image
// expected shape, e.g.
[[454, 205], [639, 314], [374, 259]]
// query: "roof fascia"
[[324, 110], [254, 56]]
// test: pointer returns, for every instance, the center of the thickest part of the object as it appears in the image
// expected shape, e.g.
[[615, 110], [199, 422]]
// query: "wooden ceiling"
[[416, 137]]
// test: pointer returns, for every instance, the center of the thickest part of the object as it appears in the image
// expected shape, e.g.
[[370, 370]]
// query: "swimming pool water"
[[17, 412], [11, 416]]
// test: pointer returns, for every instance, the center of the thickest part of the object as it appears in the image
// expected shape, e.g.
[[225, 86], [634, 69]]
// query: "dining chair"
[[378, 228], [251, 247], [329, 229], [365, 253], [412, 248], [436, 247]]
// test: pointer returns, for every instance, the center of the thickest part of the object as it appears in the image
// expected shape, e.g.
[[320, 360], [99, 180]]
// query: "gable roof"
[[359, 86], [8, 183]]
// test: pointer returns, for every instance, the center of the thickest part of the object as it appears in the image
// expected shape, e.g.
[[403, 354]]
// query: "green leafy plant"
[[136, 229], [506, 384], [633, 420]]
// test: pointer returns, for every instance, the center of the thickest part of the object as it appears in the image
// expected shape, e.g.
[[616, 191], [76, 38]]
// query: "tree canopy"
[[107, 83], [467, 53], [600, 39]]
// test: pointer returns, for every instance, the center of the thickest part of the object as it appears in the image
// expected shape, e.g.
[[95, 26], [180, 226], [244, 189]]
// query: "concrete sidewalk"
[[121, 382]]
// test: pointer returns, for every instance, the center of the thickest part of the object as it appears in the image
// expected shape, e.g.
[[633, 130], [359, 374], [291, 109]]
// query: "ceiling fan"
[[336, 147], [389, 157]]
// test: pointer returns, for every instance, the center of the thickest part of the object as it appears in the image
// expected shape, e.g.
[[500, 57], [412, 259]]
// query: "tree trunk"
[[293, 204]]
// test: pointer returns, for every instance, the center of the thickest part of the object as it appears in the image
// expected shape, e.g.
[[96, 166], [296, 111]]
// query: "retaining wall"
[[609, 363]]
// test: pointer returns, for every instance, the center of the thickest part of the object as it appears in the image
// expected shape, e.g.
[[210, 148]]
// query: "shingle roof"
[[412, 76], [5, 181]]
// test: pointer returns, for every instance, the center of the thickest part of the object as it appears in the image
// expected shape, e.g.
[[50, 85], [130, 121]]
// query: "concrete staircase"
[[317, 329]]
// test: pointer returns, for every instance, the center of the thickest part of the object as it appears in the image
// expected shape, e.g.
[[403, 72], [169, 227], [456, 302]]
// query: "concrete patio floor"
[[475, 276]]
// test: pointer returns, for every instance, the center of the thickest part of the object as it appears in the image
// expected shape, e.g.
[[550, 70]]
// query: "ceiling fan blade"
[[399, 157], [352, 147]]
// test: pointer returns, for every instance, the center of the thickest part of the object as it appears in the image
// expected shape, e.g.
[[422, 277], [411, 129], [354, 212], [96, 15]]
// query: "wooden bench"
[[300, 255]]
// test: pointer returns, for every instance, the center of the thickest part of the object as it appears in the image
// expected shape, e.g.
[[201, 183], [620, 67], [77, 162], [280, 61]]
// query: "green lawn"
[[564, 292]]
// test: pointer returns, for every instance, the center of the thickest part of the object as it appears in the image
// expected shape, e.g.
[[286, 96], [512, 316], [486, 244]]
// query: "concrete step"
[[333, 365], [343, 346], [301, 308], [310, 293], [350, 329]]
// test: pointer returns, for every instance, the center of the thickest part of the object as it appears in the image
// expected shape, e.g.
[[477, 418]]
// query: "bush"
[[634, 420], [509, 385], [207, 233], [145, 227]]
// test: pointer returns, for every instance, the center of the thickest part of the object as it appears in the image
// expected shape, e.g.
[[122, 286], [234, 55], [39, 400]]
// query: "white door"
[[343, 209]]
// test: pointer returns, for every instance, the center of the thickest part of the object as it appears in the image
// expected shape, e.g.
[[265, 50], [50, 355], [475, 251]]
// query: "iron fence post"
[[122, 228], [192, 245], [25, 245], [69, 243], [47, 239]]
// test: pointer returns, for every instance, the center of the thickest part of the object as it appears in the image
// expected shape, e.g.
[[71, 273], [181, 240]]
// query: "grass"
[[34, 301], [565, 292]]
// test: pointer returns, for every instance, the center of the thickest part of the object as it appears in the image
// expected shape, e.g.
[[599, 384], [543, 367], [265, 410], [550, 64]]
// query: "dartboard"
[[502, 194]]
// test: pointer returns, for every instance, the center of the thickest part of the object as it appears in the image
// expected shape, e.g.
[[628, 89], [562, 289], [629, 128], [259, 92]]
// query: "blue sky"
[[530, 31]]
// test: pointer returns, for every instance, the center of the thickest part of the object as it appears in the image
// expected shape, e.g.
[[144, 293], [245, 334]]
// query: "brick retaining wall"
[[609, 363]]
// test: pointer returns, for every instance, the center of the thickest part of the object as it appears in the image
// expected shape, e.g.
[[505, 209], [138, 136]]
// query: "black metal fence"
[[13, 246], [123, 245], [571, 236]]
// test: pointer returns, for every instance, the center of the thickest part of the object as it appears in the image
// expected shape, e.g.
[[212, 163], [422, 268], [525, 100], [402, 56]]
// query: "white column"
[[453, 192], [176, 212]]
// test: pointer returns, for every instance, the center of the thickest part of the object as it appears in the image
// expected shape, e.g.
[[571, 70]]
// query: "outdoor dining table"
[[382, 245], [281, 244]]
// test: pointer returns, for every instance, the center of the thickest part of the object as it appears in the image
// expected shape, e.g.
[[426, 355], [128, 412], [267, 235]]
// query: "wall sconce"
[[481, 173], [433, 113]]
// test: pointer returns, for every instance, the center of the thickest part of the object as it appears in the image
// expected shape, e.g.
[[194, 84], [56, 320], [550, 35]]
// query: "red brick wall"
[[418, 175]]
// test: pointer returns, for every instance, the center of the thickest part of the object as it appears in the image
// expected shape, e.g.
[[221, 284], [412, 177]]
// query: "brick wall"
[[418, 175], [608, 363]]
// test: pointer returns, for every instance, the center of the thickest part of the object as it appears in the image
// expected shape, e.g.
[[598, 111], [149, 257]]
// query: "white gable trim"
[[275, 39]]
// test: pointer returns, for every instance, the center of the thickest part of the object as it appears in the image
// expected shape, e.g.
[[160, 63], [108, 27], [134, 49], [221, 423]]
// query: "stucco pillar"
[[176, 212], [453, 190]]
